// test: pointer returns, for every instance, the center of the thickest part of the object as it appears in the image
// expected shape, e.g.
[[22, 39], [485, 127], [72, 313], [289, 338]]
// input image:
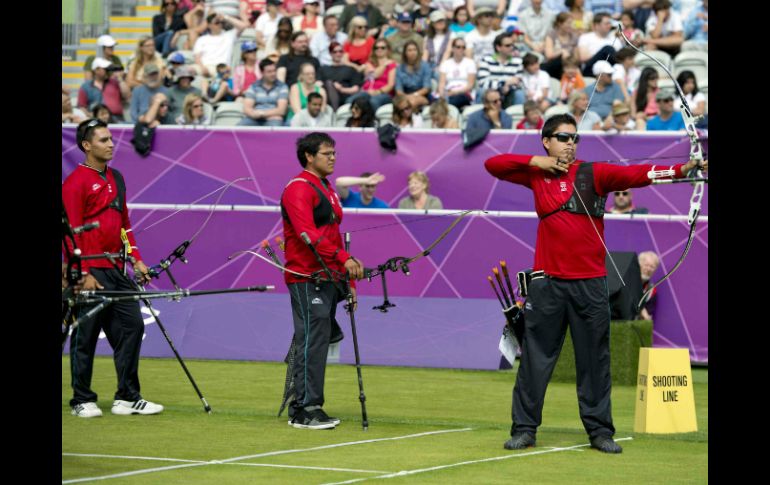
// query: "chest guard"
[[584, 183], [323, 213]]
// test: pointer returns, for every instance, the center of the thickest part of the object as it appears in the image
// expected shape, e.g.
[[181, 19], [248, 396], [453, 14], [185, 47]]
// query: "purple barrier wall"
[[446, 315]]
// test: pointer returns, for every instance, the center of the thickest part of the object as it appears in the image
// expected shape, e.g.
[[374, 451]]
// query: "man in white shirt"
[[480, 42], [319, 46], [314, 116], [216, 47], [597, 45]]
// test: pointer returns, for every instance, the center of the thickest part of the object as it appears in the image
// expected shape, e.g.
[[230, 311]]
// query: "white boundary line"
[[216, 462], [259, 455], [462, 463]]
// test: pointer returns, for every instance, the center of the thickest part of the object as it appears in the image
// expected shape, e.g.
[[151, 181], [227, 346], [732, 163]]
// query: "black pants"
[[601, 55], [313, 309], [123, 324], [553, 304]]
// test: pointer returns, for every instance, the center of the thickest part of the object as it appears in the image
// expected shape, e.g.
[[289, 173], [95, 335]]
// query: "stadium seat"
[[556, 109], [589, 80], [695, 61], [208, 112], [384, 114], [467, 111], [228, 113], [335, 10], [453, 113], [555, 88], [643, 61], [342, 115], [516, 111]]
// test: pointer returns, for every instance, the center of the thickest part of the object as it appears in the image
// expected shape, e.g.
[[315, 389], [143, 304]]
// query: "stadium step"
[[147, 11]]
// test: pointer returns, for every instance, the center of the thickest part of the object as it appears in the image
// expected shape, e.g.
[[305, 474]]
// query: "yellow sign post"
[[664, 397]]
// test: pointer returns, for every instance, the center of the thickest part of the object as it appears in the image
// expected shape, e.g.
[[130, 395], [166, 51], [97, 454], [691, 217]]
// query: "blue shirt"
[[601, 103], [141, 98], [676, 122], [354, 201], [693, 26], [409, 82], [264, 98], [480, 120]]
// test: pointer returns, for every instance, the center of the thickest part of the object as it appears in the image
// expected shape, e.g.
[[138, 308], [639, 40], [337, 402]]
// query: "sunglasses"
[[506, 45], [565, 137], [164, 104], [494, 101], [618, 194], [378, 47], [337, 51], [667, 100], [360, 26], [458, 46]]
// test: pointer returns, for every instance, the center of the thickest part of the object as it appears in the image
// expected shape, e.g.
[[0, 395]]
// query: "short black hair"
[[314, 95], [85, 131], [529, 59], [311, 143], [499, 39], [600, 16], [264, 63], [552, 123]]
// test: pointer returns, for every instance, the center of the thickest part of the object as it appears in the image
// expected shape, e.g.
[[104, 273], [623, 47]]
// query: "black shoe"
[[519, 441], [326, 417], [315, 419], [606, 444]]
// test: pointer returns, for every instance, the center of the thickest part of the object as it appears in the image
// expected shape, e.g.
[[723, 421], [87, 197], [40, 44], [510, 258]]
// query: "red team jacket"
[[86, 194], [567, 246], [299, 199]]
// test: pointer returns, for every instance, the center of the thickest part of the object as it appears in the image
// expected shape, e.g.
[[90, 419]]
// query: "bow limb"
[[696, 154], [268, 261], [222, 191]]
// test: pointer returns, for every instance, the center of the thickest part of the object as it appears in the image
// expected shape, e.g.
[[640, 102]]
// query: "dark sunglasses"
[[506, 45], [164, 104], [459, 46], [378, 47], [565, 137], [337, 51], [618, 194]]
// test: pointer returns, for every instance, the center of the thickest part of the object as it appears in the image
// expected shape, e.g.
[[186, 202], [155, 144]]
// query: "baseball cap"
[[404, 17], [106, 41], [602, 67], [248, 46], [663, 95], [436, 16], [177, 58], [100, 62], [150, 69]]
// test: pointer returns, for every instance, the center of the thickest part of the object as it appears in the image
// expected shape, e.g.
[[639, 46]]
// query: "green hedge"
[[624, 353]]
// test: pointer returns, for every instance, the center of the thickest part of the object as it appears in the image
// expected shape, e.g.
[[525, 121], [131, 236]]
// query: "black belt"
[[539, 274]]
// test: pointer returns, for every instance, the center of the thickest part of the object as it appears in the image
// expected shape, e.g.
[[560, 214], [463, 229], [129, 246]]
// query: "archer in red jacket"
[[310, 205], [569, 284], [94, 192]]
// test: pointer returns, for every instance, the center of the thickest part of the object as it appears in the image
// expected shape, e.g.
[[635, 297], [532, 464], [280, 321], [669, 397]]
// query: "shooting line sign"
[[664, 397]]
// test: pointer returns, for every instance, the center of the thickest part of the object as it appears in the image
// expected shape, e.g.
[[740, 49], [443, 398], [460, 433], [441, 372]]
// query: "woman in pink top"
[[247, 72], [380, 74]]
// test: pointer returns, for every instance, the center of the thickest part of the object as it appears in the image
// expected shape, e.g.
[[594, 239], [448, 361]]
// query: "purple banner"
[[446, 314]]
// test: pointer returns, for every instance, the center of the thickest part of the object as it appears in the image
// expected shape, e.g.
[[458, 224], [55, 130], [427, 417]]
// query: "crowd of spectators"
[[440, 54]]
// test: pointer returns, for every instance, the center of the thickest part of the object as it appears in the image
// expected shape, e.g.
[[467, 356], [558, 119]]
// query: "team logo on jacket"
[[317, 301], [563, 186], [96, 187], [528, 306]]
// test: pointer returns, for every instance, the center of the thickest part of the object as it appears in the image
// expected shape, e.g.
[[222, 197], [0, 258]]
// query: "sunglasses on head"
[[565, 137]]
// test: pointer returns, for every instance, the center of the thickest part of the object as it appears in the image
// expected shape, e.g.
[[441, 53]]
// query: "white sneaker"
[[136, 407], [87, 410]]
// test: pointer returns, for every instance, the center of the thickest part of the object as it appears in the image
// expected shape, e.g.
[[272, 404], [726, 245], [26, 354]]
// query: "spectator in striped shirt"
[[267, 100], [501, 71]]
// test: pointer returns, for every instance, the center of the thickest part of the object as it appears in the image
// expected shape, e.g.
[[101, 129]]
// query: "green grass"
[[245, 397]]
